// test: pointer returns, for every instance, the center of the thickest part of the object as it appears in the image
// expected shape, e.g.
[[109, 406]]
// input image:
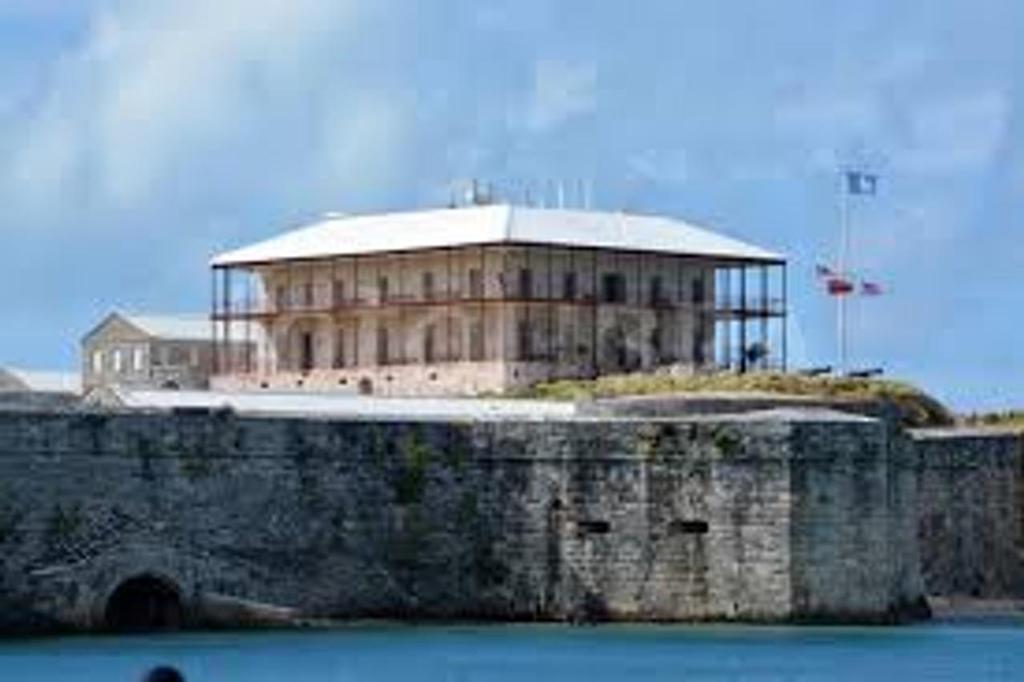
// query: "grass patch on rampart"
[[1011, 419], [916, 407]]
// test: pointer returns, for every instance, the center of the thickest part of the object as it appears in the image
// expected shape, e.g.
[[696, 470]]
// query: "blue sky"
[[137, 138]]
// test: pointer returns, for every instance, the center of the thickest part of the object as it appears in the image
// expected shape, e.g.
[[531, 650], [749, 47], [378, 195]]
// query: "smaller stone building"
[[29, 388], [16, 380], [151, 351]]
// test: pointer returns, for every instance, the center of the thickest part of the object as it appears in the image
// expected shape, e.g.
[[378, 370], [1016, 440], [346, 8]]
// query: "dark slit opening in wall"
[[596, 527], [688, 527]]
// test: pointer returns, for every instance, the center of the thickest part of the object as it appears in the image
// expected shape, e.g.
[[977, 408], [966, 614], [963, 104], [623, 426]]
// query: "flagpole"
[[844, 245]]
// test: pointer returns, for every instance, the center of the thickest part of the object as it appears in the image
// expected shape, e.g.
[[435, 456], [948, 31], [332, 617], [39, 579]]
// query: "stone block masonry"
[[776, 516], [970, 507]]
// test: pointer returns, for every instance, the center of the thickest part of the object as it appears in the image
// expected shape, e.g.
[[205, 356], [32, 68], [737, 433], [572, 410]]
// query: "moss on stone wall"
[[458, 446], [725, 439], [63, 528], [415, 456], [195, 464], [660, 441]]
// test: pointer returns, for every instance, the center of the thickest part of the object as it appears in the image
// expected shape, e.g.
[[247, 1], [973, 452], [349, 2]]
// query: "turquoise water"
[[537, 654]]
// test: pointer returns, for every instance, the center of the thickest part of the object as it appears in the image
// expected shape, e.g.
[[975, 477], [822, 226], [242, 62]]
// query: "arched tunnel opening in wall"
[[145, 603]]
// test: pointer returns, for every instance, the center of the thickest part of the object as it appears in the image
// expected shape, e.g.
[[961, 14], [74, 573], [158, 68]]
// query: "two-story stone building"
[[490, 298]]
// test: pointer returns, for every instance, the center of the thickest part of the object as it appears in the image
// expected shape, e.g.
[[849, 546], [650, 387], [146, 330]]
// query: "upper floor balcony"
[[258, 308]]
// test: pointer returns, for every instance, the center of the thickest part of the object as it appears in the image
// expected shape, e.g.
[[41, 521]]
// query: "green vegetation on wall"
[[195, 465], [915, 407], [411, 478], [1012, 419], [63, 528]]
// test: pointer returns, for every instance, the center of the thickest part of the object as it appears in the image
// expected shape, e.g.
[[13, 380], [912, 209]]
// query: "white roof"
[[333, 404], [176, 327], [45, 381], [187, 327], [341, 236]]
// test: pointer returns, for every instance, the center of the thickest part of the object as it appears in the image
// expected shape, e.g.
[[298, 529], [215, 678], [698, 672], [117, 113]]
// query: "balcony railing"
[[751, 306], [256, 308]]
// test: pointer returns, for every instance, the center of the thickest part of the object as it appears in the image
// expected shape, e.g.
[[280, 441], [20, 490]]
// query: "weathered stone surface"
[[761, 517], [970, 507]]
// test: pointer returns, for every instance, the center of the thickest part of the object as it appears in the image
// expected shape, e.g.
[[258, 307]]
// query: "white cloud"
[[915, 127], [562, 90], [831, 112], [158, 88], [852, 98], [363, 139], [959, 132]]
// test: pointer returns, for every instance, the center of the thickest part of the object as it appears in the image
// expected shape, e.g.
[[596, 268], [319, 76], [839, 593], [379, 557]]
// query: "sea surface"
[[537, 653]]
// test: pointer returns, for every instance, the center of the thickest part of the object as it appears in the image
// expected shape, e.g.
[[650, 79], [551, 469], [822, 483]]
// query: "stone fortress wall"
[[968, 484], [970, 512], [787, 515]]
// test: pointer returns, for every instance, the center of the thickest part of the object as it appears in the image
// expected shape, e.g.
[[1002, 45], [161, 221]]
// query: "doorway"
[[306, 351]]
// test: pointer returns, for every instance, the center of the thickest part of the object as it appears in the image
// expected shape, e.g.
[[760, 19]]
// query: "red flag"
[[838, 286], [870, 289]]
